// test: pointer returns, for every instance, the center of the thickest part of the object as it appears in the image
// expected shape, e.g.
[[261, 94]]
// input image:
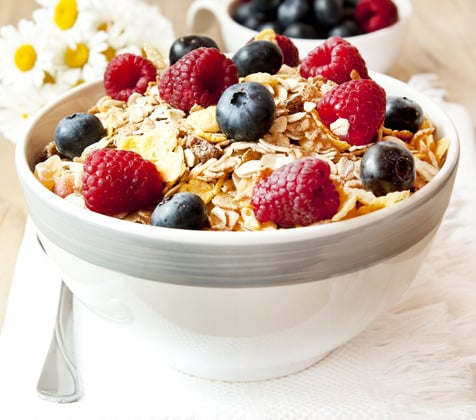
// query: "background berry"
[[116, 181], [297, 194], [302, 18], [372, 15]]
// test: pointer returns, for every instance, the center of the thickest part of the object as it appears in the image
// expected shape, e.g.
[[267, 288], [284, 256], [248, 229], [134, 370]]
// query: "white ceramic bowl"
[[380, 49], [229, 305]]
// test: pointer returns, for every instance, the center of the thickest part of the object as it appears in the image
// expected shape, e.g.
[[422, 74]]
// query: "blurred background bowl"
[[228, 305], [380, 48]]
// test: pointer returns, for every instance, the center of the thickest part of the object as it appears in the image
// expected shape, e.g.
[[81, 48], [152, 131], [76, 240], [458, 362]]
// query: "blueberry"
[[183, 210], [246, 15], [292, 11], [258, 56], [265, 5], [345, 28], [255, 20], [402, 113], [242, 12], [387, 166], [185, 44], [245, 111], [328, 12], [301, 30], [77, 131]]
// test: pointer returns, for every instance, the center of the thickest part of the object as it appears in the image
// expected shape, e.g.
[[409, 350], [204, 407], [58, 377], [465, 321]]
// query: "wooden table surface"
[[441, 40]]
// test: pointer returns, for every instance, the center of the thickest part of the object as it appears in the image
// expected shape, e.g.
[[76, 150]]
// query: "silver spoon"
[[59, 379]]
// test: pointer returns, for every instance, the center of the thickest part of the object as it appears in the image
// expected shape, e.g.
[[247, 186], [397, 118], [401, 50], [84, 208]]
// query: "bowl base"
[[252, 375]]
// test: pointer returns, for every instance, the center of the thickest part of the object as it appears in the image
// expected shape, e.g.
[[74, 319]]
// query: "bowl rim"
[[257, 238]]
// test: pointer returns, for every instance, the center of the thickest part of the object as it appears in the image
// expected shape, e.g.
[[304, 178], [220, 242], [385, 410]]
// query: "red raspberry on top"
[[362, 103], [289, 50], [128, 73], [334, 59], [116, 181], [375, 14], [199, 77], [297, 194]]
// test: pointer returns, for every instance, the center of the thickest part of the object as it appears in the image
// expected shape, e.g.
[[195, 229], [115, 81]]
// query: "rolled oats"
[[192, 154]]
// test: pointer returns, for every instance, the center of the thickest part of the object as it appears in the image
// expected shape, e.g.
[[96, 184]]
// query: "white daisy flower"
[[26, 56], [129, 25], [84, 61], [69, 42], [18, 104], [68, 19]]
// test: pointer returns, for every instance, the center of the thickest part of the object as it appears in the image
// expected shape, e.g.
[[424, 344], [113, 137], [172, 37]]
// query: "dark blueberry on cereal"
[[245, 111], [387, 166], [402, 113], [77, 131], [258, 56], [183, 210], [185, 44]]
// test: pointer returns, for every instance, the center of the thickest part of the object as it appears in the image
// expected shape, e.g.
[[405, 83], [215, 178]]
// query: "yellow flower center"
[[78, 57], [48, 78], [25, 57], [66, 13], [103, 26], [109, 53]]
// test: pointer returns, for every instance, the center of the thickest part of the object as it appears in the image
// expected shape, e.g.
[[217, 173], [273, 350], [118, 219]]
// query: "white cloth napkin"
[[414, 362]]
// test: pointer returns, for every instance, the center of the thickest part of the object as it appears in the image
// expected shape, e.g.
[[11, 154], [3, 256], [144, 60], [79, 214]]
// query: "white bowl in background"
[[380, 48], [237, 306]]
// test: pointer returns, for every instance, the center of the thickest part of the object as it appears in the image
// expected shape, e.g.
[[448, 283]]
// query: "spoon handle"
[[59, 379]]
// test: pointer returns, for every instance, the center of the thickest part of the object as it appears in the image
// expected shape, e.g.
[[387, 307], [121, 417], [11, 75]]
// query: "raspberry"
[[289, 50], [334, 59], [372, 15], [128, 73], [362, 103], [297, 194], [199, 77], [116, 181]]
